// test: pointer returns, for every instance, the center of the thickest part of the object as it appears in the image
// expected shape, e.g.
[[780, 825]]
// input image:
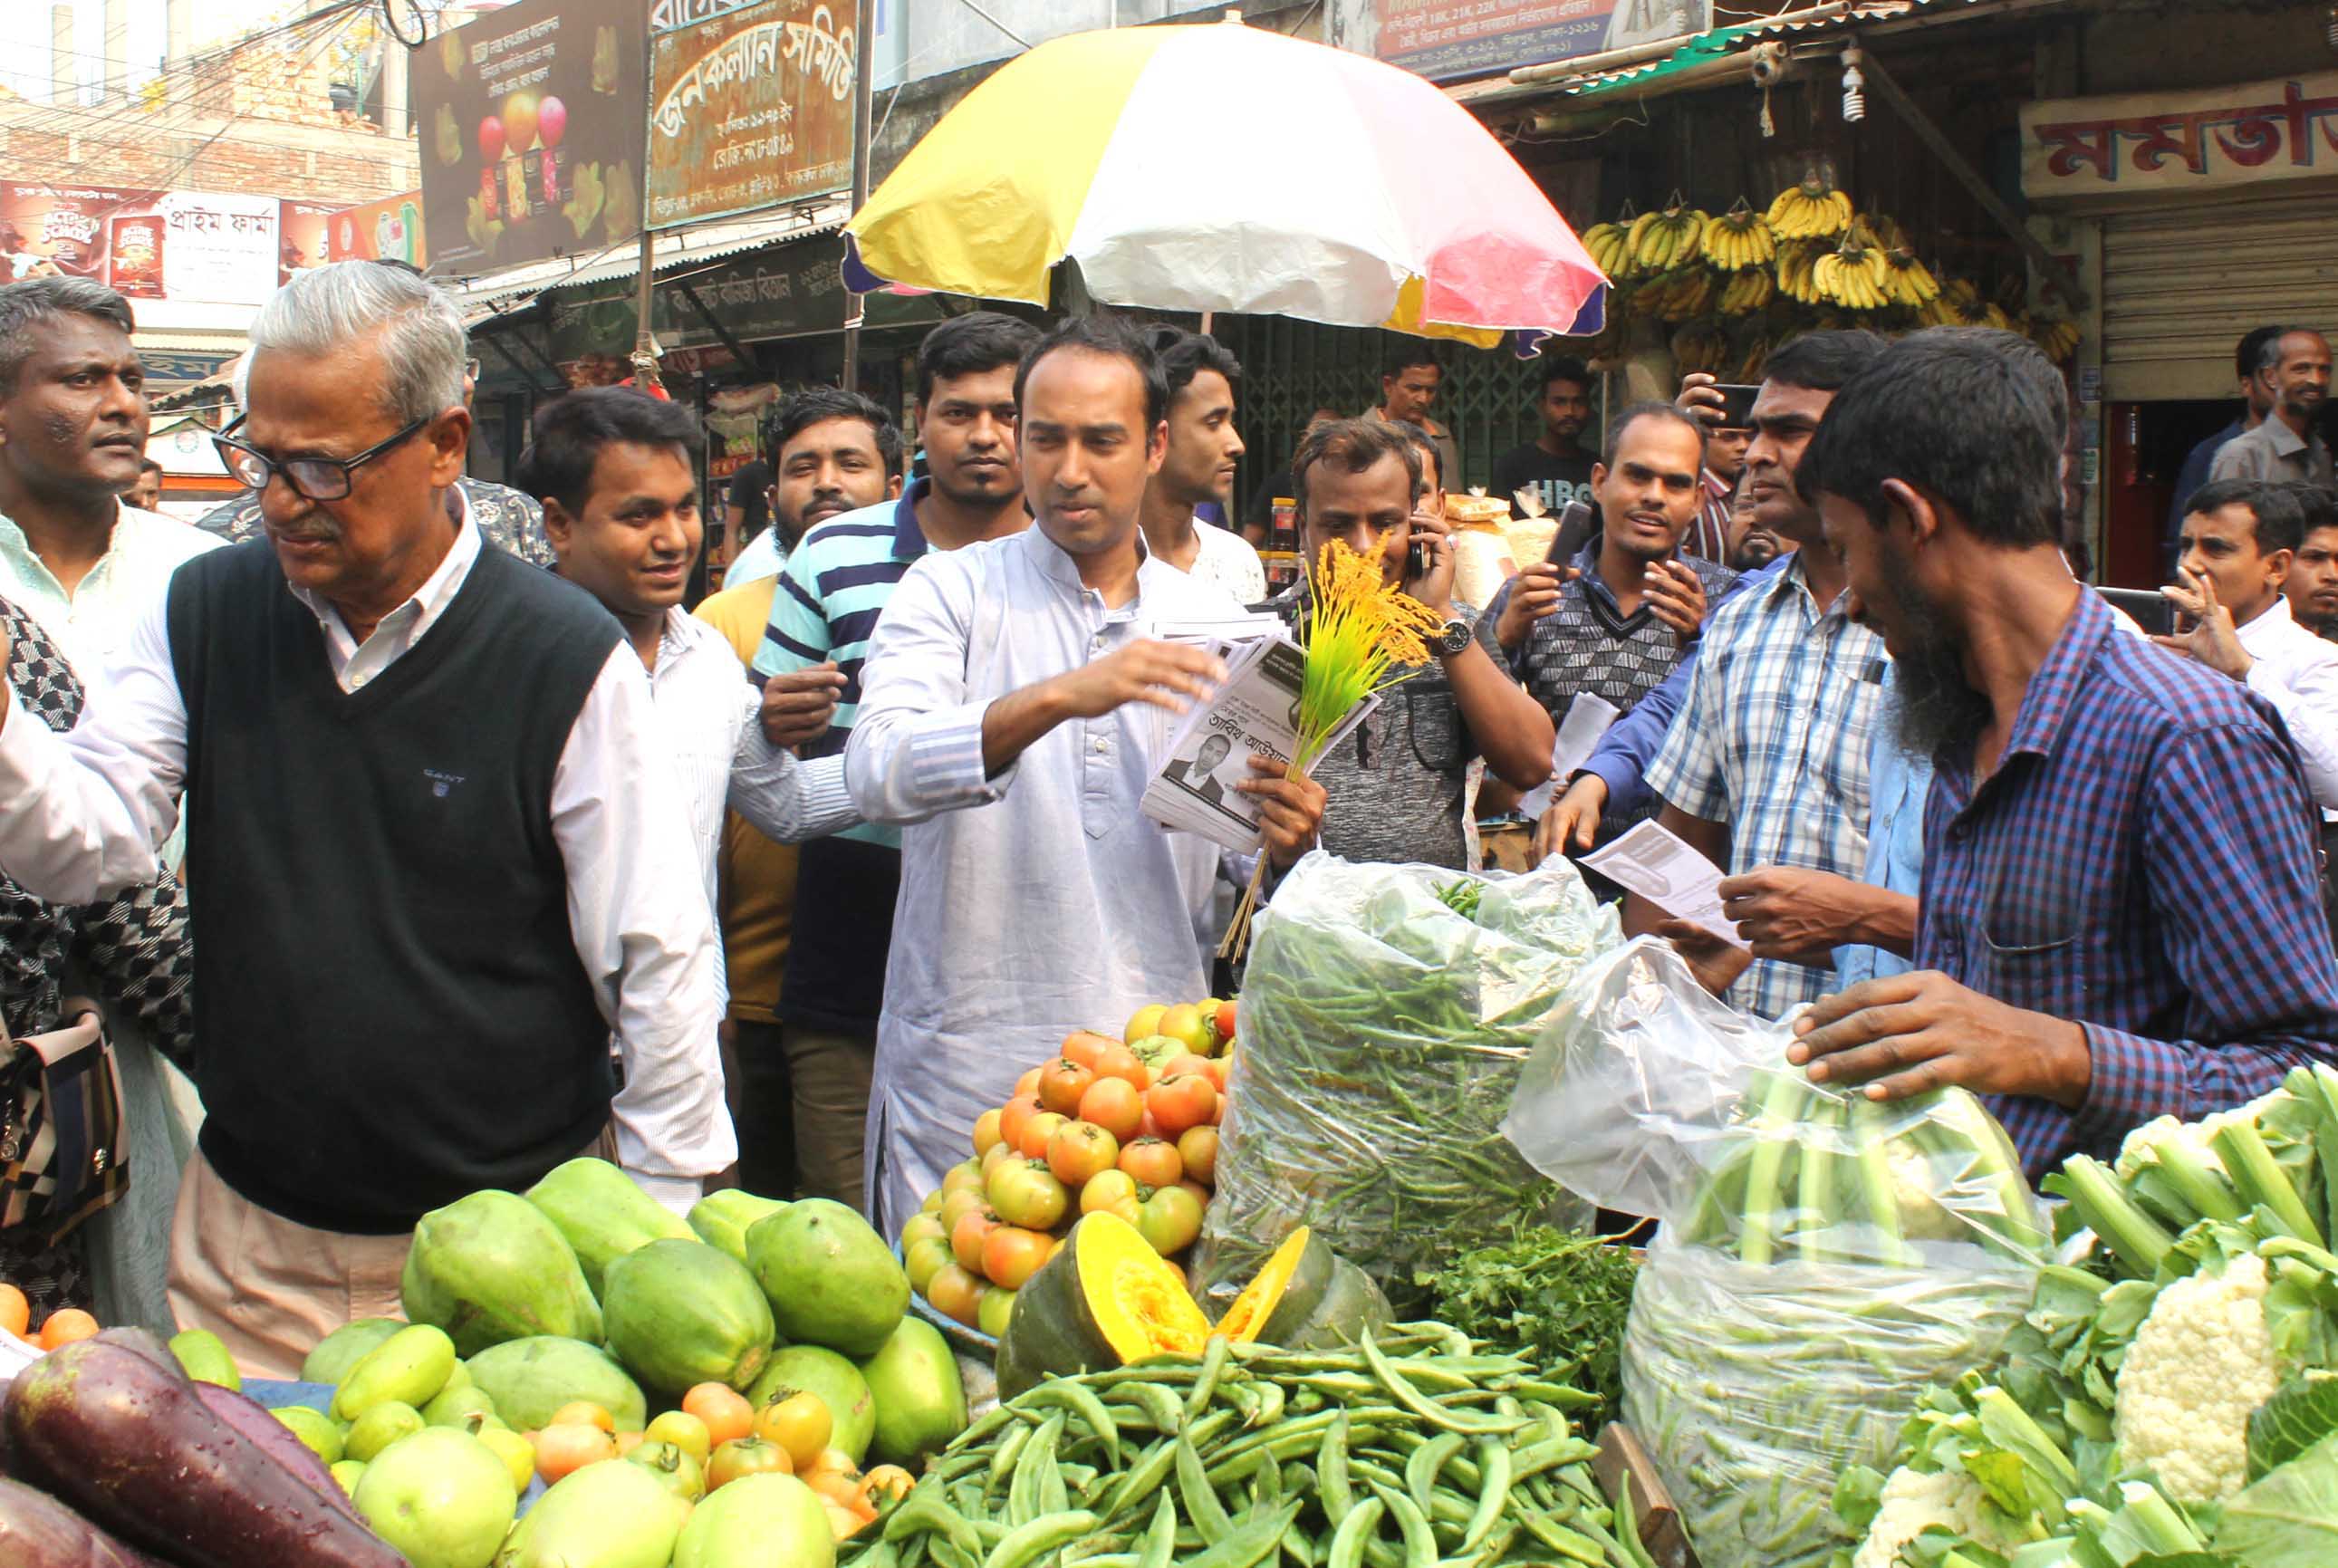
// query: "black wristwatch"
[[1454, 639]]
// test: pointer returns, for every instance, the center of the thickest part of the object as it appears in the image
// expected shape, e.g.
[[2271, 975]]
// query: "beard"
[[1938, 708]]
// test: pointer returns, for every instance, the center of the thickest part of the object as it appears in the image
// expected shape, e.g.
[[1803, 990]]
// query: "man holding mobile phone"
[[1395, 787]]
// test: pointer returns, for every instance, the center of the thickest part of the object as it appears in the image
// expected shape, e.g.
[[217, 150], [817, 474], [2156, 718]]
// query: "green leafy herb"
[[1552, 1295]]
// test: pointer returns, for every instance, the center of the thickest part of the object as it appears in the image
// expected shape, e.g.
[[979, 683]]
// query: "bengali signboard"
[[1446, 39], [387, 229], [750, 109], [531, 131], [2286, 129], [199, 246]]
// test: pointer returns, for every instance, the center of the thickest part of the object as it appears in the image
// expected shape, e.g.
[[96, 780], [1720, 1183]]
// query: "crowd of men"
[[486, 865]]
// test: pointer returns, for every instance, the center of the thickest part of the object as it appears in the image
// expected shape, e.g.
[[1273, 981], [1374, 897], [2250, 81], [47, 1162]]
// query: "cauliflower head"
[[1912, 1502], [2201, 1362]]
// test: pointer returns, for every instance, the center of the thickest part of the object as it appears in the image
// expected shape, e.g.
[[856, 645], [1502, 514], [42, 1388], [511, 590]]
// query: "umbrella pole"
[[863, 101]]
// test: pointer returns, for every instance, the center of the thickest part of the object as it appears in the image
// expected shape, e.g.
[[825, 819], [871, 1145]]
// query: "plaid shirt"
[[2142, 861], [1708, 533], [1774, 739]]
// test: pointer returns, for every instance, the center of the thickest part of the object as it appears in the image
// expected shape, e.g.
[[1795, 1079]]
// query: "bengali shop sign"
[[203, 247], [2284, 129], [1444, 39], [531, 130], [750, 109]]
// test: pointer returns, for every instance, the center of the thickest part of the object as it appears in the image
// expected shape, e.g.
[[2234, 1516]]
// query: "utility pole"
[[863, 101]]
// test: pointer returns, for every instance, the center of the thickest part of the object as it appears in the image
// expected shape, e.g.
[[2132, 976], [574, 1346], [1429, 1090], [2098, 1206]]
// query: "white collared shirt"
[[91, 623], [2297, 672], [86, 808]]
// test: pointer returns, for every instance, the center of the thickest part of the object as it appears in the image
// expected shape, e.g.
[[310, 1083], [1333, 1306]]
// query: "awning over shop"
[[181, 364], [491, 293]]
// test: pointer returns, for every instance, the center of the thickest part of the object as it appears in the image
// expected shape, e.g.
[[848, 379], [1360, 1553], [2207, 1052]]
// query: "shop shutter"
[[2182, 285]]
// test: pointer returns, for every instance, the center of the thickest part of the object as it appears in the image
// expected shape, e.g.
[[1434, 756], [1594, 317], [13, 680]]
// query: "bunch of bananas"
[[1748, 291], [1796, 261], [1852, 275], [1810, 211], [1675, 297], [1609, 251], [1909, 282], [1701, 345], [1960, 305], [2056, 339], [1739, 239], [1661, 241]]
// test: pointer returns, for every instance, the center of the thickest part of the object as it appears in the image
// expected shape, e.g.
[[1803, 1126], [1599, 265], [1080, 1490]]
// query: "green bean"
[[1332, 1474], [1002, 1462], [1421, 1470], [1039, 1537], [1202, 1504], [925, 1510], [1426, 1409], [1266, 1485], [1163, 1409], [1214, 1367], [1566, 1542], [981, 1430], [946, 1555], [1083, 1403], [1160, 1537], [1141, 1478], [1348, 1541], [1419, 1543], [1252, 1544], [1494, 1460], [1023, 1493]]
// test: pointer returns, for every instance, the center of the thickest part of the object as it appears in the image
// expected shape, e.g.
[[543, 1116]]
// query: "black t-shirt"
[[746, 493], [1559, 479]]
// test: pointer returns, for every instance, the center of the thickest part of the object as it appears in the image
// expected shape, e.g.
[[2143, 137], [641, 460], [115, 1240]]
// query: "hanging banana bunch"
[[1909, 283], [1853, 274], [1748, 291], [1701, 345], [1739, 239], [2057, 338], [1796, 258], [1811, 209], [1610, 253], [1661, 241]]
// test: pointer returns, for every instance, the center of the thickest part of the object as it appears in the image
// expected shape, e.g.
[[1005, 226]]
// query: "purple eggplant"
[[36, 1531], [136, 1450], [256, 1422]]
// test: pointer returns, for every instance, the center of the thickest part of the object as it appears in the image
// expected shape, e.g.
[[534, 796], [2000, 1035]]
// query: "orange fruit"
[[15, 1312], [725, 1411], [64, 1325], [583, 1413]]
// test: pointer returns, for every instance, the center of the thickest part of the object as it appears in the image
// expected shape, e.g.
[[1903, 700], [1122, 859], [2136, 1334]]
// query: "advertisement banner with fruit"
[[1442, 39], [531, 130], [389, 230], [47, 230], [750, 109]]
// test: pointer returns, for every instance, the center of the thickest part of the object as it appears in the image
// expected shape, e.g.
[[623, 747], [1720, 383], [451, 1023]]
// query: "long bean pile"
[[1408, 1453]]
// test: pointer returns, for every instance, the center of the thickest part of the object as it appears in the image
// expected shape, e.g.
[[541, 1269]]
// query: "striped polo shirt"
[[835, 585]]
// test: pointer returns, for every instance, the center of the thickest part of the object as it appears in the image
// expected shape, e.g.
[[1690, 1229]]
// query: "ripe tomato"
[[921, 1260], [1119, 1062], [1146, 1127], [959, 1177], [563, 1446], [1002, 1149], [986, 1132], [800, 1424], [1155, 1052], [583, 1411], [1025, 1193], [1180, 1101], [1198, 1148], [65, 1325], [1143, 1022], [684, 1431], [1083, 1046], [887, 1483], [1169, 1220], [1184, 1062], [1062, 1083], [955, 1293], [1035, 1133], [724, 1410], [1112, 1192], [1217, 1068], [1223, 1024], [1011, 1255], [1080, 1150], [1185, 1024], [1115, 1105], [1153, 1163], [920, 1228], [1018, 1111], [960, 1205], [967, 1236], [1026, 1085], [746, 1456]]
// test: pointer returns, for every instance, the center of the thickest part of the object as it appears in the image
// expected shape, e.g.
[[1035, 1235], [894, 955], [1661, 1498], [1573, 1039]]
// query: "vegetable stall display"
[[1822, 1257]]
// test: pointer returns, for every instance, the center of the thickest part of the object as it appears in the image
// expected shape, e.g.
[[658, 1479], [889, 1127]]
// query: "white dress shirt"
[[2297, 672], [1230, 561], [1034, 903], [86, 809], [91, 623]]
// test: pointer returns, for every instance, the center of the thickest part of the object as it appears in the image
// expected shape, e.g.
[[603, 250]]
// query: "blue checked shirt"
[[1774, 739], [2144, 862]]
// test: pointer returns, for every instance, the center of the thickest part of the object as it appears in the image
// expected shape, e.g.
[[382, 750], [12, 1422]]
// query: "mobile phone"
[[1416, 560], [2151, 610], [1576, 525], [1738, 407]]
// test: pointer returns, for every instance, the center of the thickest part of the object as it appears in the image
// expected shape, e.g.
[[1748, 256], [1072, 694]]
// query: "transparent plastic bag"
[[1383, 1030], [1821, 1258]]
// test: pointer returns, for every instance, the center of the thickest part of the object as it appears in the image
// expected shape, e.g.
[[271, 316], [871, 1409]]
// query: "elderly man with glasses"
[[508, 520], [438, 856]]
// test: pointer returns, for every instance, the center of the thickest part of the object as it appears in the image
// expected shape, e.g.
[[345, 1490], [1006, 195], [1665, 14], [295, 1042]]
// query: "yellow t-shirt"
[[757, 877]]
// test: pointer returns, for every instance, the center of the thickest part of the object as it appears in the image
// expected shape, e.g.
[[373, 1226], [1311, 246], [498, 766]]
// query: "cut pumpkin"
[[1104, 1299], [1255, 1307], [1306, 1298]]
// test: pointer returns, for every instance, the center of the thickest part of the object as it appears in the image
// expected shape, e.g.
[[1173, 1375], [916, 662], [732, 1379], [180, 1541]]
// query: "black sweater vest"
[[390, 1009]]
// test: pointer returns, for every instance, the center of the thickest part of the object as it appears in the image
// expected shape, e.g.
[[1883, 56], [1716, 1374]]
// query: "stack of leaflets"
[[1254, 714]]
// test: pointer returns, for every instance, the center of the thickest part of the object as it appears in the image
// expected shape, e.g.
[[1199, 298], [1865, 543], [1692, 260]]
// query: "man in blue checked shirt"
[[2121, 917]]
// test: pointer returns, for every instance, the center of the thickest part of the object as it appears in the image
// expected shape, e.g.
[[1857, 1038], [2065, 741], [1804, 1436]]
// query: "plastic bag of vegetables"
[[1386, 1014], [1821, 1258]]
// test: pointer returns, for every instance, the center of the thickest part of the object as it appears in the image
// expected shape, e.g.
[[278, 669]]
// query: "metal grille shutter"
[[2182, 285]]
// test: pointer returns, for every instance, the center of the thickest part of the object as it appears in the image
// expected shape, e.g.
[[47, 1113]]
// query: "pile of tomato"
[[1128, 1127]]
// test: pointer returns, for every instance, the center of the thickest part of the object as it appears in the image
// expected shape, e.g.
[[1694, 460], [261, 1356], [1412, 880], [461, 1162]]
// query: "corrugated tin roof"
[[675, 248]]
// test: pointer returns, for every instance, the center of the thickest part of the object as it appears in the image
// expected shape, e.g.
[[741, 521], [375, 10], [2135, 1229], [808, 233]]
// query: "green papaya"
[[529, 1379], [830, 1280], [602, 1214], [410, 1367], [810, 1369], [921, 1400], [345, 1346], [722, 1220], [681, 1313], [489, 1267]]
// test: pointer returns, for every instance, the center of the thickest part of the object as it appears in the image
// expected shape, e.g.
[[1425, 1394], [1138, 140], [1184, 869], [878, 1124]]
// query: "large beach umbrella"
[[1223, 167]]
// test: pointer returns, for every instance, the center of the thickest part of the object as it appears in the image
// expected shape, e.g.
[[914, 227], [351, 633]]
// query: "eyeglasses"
[[311, 478], [471, 367]]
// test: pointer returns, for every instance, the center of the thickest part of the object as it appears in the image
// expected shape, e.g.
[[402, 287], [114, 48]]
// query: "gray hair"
[[326, 309], [26, 305], [2269, 351]]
